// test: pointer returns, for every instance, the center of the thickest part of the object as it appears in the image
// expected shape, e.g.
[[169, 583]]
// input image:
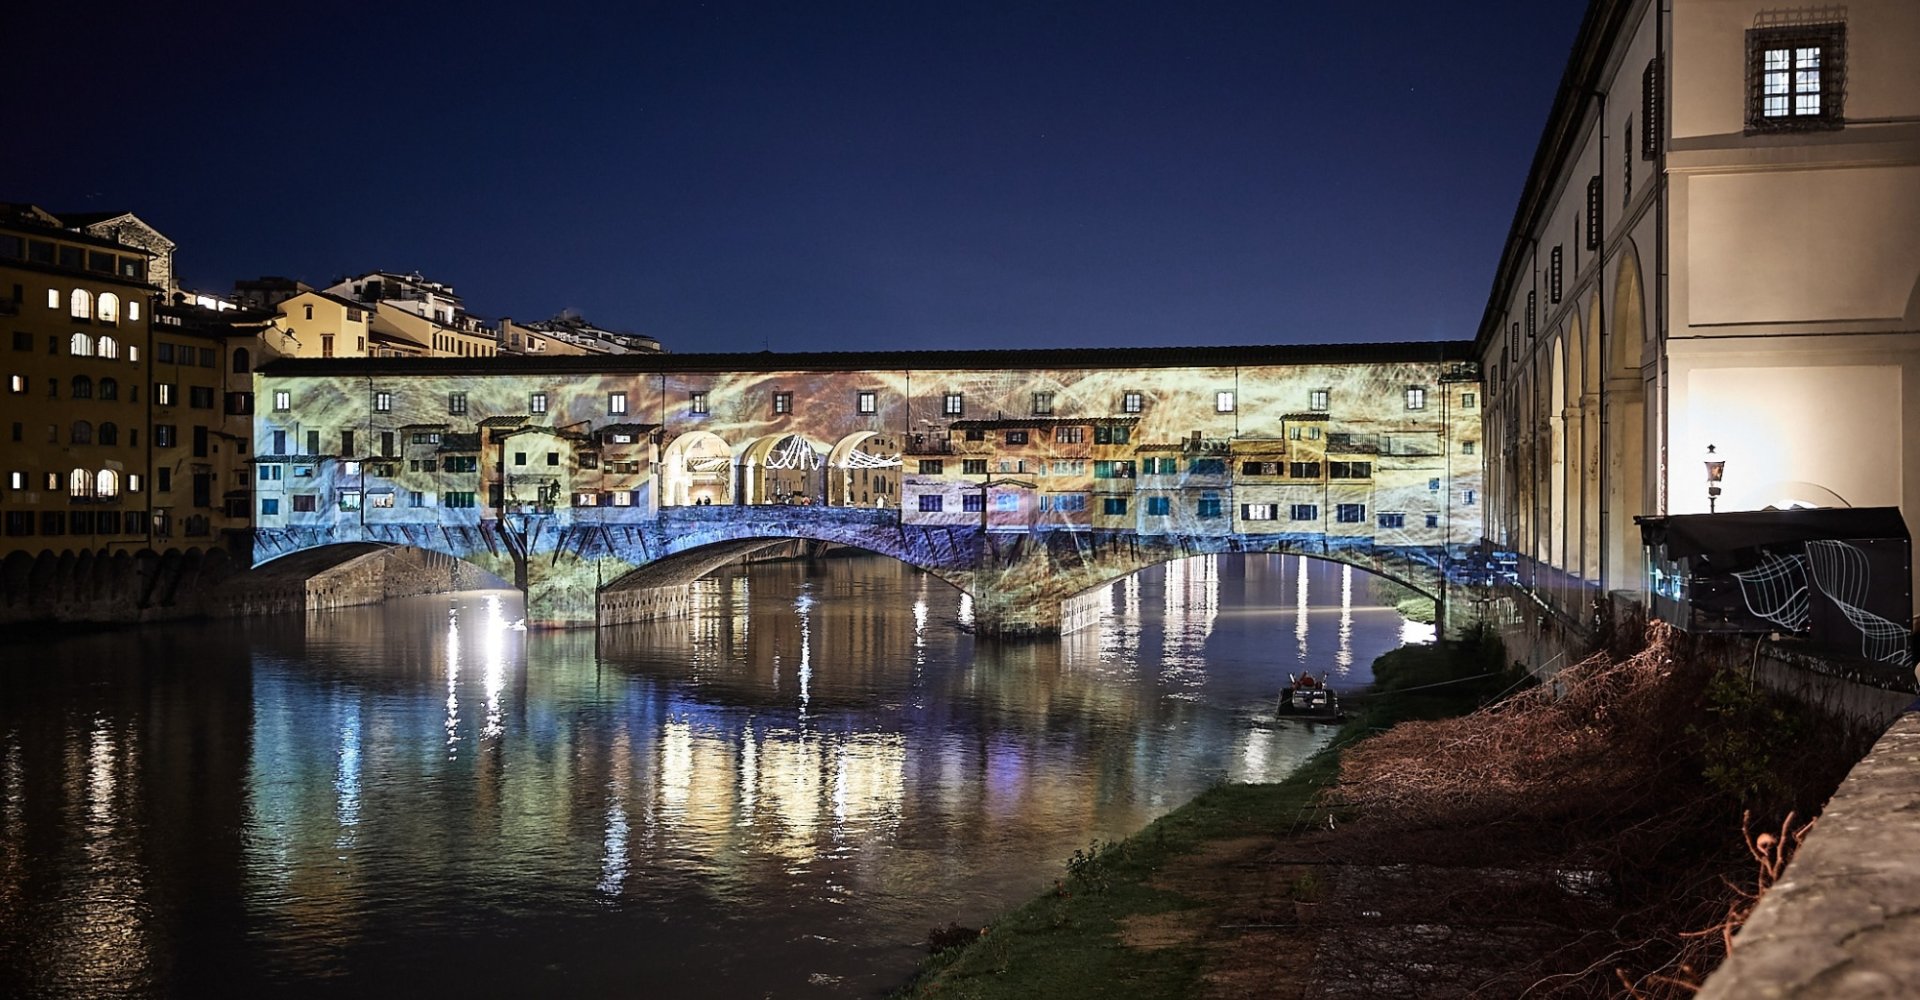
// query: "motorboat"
[[1308, 697]]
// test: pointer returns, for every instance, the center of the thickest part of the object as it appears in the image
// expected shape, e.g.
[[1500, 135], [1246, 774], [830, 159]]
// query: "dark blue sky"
[[822, 176]]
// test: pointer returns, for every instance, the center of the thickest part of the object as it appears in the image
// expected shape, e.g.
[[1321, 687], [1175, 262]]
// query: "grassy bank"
[[1121, 921]]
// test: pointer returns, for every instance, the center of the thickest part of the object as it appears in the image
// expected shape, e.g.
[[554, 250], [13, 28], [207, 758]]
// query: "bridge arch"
[[696, 470], [864, 469]]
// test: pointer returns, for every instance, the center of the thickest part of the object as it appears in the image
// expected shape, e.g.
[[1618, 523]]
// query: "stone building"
[[1718, 245]]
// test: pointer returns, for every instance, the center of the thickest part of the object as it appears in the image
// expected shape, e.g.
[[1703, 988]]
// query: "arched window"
[[109, 433], [242, 361], [109, 389], [82, 387], [81, 346], [106, 484], [80, 304], [107, 347], [80, 483], [82, 432], [109, 310]]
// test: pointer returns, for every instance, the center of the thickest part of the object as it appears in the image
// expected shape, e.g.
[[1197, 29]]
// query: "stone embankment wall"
[[145, 586]]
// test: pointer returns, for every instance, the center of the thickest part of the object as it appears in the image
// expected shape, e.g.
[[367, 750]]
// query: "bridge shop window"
[[973, 502], [1223, 402], [1350, 513], [305, 503], [1349, 470], [697, 402], [1113, 506], [1303, 470], [383, 402], [269, 506], [616, 402], [457, 403], [1393, 520], [1259, 512], [932, 466], [1207, 466], [932, 503], [1467, 497], [973, 466], [952, 405], [1042, 403], [1209, 505], [1466, 447], [1016, 437], [1468, 401], [1433, 520], [1112, 470], [459, 500], [1159, 506], [537, 403], [1069, 435], [1112, 435], [1131, 402], [1796, 77], [1318, 399], [1416, 397], [783, 402], [866, 401], [1260, 468]]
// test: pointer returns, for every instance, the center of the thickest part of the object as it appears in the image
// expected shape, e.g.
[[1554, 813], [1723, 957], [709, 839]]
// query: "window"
[[82, 432], [1350, 513], [415, 498], [616, 402], [1113, 506], [108, 433], [1131, 402], [1042, 403], [1416, 397], [932, 466], [282, 400], [1006, 503], [1303, 470], [1796, 77], [1433, 520], [1209, 506], [1466, 447], [1393, 520], [1159, 506], [1593, 213], [457, 403], [1261, 468], [1433, 485], [1069, 435], [16, 480], [313, 442], [459, 500], [346, 448], [22, 340], [242, 361], [1318, 399], [697, 402], [866, 401], [1063, 503], [931, 503], [783, 402], [107, 347], [269, 506], [163, 435], [162, 352], [952, 405], [382, 402], [163, 393], [467, 463], [1259, 512], [271, 473], [200, 397], [17, 384], [1016, 437], [976, 434], [1159, 466], [1207, 466], [553, 460], [1553, 275], [1650, 110], [1112, 435], [80, 304], [1223, 402], [1112, 470], [1467, 497], [973, 466], [519, 458], [1069, 467], [1349, 470], [1532, 307], [305, 503], [109, 308], [1467, 401], [80, 346]]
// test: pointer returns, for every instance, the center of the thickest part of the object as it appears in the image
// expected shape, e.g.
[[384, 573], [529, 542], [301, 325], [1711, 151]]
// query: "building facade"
[[1718, 245]]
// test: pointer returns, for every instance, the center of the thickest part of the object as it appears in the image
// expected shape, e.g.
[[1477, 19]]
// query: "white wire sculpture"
[[792, 453], [1776, 590], [1842, 573]]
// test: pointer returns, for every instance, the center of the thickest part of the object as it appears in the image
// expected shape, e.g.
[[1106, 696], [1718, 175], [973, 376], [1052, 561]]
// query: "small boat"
[[1307, 697]]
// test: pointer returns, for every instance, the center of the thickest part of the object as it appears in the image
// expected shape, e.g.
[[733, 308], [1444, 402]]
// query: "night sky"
[[819, 175]]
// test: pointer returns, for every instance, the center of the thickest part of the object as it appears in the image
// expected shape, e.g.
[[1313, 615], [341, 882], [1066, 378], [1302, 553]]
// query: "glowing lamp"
[[1716, 467]]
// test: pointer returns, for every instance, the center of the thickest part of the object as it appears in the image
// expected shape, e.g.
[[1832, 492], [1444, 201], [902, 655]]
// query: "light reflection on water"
[[775, 795]]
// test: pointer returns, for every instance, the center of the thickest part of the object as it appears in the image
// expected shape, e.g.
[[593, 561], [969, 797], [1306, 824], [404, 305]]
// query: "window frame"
[[1830, 38]]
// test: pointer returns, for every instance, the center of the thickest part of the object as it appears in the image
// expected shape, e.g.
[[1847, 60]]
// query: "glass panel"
[[1774, 83], [1774, 107], [1775, 59], [1806, 104], [1807, 81], [1807, 58]]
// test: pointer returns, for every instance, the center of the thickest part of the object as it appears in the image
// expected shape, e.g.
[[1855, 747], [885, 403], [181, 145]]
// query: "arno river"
[[776, 796]]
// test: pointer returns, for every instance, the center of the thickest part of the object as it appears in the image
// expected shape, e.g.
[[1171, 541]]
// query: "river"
[[776, 796]]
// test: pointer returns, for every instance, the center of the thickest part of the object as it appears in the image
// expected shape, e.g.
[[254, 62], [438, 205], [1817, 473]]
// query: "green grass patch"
[[1067, 942]]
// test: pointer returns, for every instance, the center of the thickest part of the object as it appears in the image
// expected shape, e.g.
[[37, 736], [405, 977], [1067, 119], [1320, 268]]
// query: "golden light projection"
[[603, 485]]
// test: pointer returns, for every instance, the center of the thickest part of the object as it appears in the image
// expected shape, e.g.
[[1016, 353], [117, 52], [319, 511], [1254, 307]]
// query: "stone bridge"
[[1022, 584], [602, 485]]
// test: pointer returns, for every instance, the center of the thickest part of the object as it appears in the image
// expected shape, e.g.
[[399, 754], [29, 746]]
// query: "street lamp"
[[1716, 467]]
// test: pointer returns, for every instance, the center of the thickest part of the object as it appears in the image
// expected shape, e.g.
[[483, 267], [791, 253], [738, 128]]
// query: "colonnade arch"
[[1626, 419]]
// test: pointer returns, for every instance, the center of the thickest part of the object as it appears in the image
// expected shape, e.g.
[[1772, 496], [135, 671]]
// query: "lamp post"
[[1716, 467]]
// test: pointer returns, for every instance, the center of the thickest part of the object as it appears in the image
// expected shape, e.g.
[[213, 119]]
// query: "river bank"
[[1588, 841]]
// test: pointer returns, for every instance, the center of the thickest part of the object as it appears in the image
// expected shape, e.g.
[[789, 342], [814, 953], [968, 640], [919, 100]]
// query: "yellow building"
[[318, 325], [76, 308]]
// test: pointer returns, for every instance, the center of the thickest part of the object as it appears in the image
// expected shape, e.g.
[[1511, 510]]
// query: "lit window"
[[699, 402], [456, 403], [1416, 397], [80, 304], [1131, 402], [1223, 402], [109, 310], [616, 402], [867, 401], [1318, 399], [16, 480], [282, 400], [16, 384], [53, 298], [1042, 403], [382, 401], [133, 310], [1259, 511], [783, 402], [106, 483], [107, 347], [537, 403], [952, 405], [1795, 76], [79, 483], [80, 346]]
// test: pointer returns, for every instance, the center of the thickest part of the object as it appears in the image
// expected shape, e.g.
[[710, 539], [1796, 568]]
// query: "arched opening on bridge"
[[1626, 421], [347, 574], [863, 470], [783, 469], [1556, 416], [696, 470]]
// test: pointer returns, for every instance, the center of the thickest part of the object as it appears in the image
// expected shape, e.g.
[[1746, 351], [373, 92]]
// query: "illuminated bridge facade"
[[1029, 479]]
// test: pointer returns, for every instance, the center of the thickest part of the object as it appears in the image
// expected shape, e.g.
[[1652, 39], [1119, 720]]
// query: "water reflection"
[[776, 794]]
